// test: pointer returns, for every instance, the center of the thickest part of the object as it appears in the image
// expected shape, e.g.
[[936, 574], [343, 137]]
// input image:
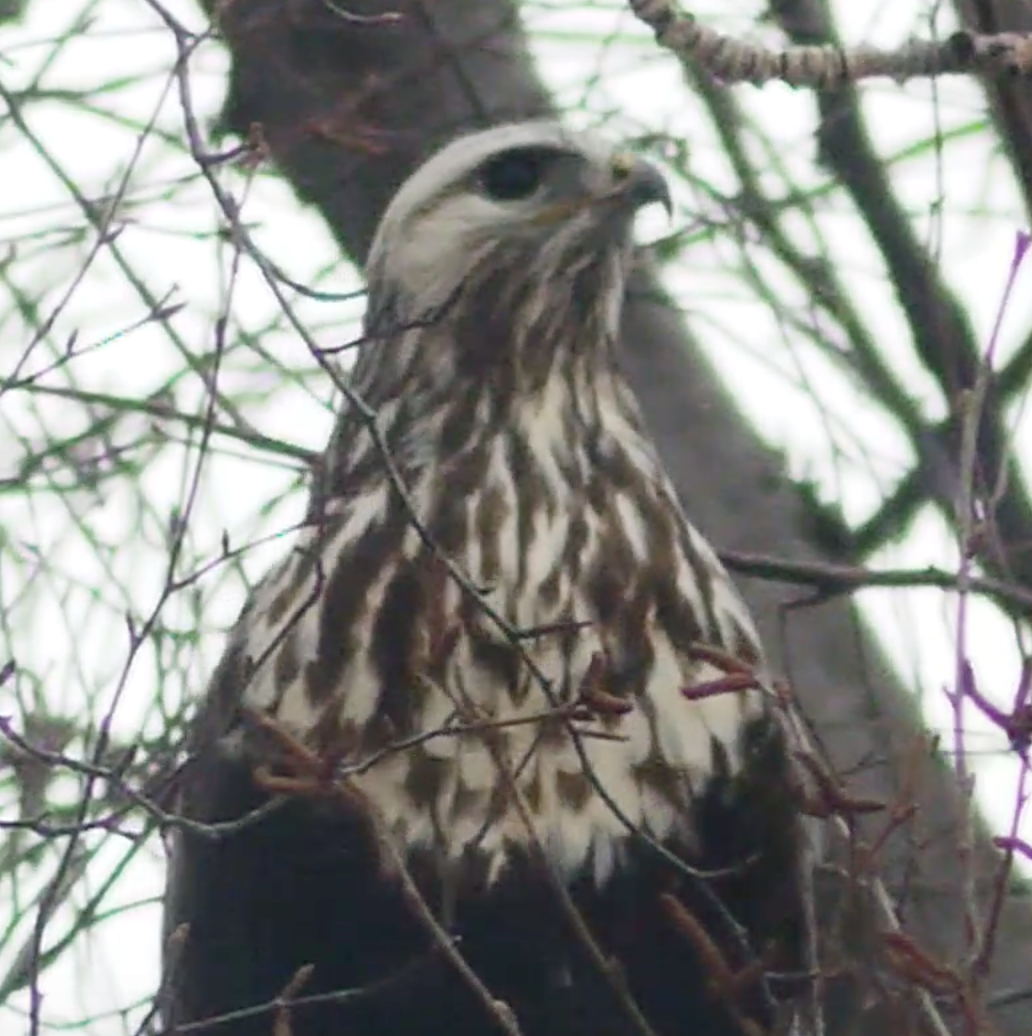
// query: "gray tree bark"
[[347, 106]]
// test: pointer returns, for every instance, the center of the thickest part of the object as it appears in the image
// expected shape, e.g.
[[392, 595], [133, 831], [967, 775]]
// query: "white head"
[[530, 195]]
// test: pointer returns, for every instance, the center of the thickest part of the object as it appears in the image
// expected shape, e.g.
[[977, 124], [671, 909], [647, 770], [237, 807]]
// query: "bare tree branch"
[[825, 66], [1010, 98]]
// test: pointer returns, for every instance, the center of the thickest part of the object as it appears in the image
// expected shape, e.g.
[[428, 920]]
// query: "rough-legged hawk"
[[535, 800]]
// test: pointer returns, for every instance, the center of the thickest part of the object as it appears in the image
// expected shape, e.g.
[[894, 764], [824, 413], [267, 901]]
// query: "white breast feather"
[[594, 836]]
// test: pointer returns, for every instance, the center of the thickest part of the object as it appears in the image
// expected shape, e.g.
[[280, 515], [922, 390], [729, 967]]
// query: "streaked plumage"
[[496, 282]]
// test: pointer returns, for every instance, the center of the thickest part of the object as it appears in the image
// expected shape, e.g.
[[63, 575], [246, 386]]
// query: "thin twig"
[[829, 580]]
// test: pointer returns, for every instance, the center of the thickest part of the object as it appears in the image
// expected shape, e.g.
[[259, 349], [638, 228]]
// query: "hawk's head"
[[496, 279], [511, 210]]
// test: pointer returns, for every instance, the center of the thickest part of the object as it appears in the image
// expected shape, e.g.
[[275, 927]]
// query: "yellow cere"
[[622, 164]]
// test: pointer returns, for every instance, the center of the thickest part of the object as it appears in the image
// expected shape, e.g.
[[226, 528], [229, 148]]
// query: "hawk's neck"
[[500, 358]]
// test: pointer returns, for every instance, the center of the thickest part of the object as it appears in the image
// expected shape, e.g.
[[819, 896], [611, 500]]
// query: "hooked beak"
[[634, 183], [639, 183]]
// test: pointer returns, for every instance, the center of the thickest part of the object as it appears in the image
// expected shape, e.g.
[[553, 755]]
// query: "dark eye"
[[514, 174]]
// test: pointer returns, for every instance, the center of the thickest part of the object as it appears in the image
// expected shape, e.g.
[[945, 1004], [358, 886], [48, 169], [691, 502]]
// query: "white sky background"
[[90, 557]]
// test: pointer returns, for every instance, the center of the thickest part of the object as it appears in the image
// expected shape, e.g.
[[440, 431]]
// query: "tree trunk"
[[348, 106]]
